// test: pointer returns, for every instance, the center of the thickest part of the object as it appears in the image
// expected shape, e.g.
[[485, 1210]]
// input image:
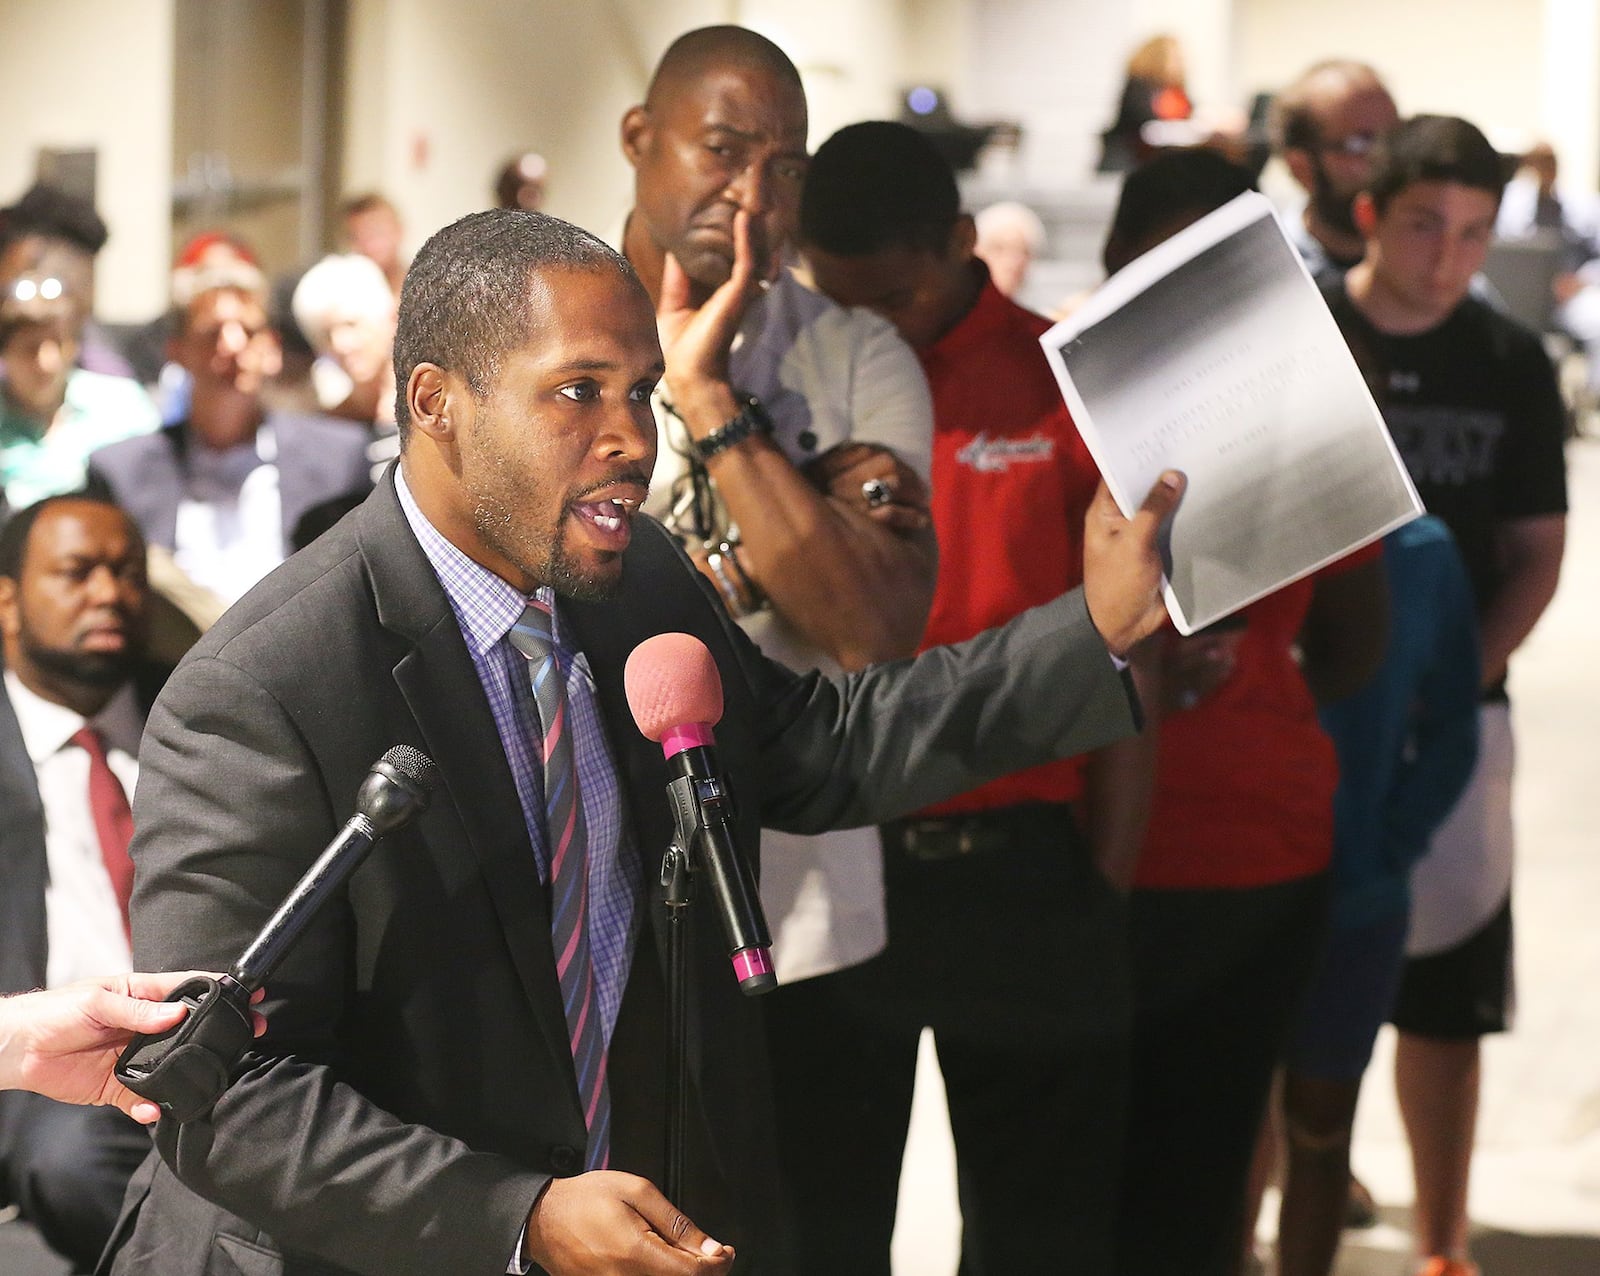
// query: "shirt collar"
[[486, 606], [47, 727], [990, 313]]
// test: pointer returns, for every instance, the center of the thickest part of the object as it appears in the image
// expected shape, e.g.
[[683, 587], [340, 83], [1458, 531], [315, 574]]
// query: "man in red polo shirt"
[[1005, 935]]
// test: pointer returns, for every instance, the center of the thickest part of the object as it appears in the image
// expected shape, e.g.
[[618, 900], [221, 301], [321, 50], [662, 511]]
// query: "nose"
[[752, 189], [103, 586], [630, 436]]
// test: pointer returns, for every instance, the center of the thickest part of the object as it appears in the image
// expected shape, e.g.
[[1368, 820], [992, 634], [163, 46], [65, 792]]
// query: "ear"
[[1301, 166], [437, 401], [636, 134], [1365, 214], [8, 607], [963, 239]]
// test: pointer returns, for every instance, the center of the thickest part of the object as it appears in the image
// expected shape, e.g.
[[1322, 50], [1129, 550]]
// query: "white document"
[[1215, 354]]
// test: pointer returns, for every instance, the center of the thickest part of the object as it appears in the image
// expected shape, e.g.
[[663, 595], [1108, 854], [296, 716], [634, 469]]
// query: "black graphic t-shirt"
[[1475, 412]]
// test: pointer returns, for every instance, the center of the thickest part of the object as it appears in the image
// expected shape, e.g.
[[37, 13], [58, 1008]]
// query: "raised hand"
[[696, 342], [1122, 564]]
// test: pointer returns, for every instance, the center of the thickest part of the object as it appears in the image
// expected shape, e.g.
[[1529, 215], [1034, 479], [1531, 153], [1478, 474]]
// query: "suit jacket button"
[[565, 1160]]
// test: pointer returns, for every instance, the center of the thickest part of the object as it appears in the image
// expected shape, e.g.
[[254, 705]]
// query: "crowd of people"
[[1154, 895]]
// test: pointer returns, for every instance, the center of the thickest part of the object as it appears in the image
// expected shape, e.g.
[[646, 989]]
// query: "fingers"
[[133, 1013], [151, 987], [1159, 503], [744, 254], [1122, 563], [141, 1110], [673, 1226], [674, 287]]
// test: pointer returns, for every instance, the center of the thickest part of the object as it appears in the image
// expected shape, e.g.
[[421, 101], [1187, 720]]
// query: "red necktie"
[[113, 817]]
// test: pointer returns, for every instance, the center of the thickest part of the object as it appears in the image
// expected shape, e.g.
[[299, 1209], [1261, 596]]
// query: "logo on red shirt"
[[991, 456]]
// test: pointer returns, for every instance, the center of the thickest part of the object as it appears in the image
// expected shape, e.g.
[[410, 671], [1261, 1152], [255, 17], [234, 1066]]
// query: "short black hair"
[[878, 185], [465, 301], [19, 526], [1434, 148], [1169, 187], [48, 210]]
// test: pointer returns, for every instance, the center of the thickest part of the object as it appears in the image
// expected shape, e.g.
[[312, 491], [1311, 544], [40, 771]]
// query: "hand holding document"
[[1215, 354]]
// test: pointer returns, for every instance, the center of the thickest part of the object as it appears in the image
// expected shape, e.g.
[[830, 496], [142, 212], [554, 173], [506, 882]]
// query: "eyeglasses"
[[32, 288], [1354, 146]]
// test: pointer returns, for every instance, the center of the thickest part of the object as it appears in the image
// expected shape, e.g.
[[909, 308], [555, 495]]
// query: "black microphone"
[[187, 1067], [395, 792], [675, 696]]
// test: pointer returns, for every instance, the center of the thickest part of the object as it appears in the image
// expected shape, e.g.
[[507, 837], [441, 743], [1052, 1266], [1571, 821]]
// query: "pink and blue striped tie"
[[567, 843]]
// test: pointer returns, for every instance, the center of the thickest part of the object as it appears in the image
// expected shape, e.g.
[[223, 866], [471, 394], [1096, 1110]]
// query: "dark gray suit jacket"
[[415, 1089], [319, 459]]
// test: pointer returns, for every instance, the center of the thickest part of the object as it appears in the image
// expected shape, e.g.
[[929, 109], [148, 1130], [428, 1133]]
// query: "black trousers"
[[66, 1168], [1218, 976], [1014, 955]]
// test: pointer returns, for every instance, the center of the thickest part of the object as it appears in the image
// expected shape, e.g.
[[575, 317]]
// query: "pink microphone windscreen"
[[672, 682]]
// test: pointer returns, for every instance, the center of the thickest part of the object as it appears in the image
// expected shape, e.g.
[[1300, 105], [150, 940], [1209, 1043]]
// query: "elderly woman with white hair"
[[1010, 236], [344, 307]]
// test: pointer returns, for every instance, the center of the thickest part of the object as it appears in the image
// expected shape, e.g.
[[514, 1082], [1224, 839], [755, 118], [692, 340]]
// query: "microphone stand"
[[695, 803]]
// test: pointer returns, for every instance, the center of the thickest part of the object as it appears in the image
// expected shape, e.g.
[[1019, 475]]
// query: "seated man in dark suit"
[[463, 1065], [72, 603], [224, 489]]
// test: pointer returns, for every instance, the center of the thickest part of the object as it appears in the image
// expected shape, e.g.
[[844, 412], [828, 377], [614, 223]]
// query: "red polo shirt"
[[1012, 483]]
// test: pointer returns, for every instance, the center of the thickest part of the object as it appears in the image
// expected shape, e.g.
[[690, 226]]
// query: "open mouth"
[[608, 521]]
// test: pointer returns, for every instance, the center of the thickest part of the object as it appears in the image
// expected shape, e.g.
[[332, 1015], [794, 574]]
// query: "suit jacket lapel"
[[23, 867], [441, 688]]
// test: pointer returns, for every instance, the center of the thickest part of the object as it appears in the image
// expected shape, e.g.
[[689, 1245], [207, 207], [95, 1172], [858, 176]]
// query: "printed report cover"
[[1215, 354]]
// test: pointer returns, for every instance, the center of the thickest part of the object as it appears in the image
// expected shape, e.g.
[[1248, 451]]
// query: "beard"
[[99, 670], [1332, 208], [544, 559]]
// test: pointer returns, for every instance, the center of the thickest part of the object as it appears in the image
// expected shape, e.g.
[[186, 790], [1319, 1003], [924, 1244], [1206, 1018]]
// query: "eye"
[[792, 171], [642, 391], [581, 391]]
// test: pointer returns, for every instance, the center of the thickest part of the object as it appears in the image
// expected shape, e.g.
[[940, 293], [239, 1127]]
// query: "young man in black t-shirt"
[[1472, 403]]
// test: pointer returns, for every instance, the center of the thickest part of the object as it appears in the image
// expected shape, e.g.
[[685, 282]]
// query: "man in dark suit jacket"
[[219, 454], [413, 1107], [72, 603]]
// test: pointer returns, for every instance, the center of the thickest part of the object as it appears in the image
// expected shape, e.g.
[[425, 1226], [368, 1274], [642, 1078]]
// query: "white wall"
[[433, 108], [98, 73]]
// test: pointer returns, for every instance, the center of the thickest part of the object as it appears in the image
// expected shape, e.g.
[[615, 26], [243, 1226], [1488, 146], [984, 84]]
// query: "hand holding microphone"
[[675, 696], [186, 1068]]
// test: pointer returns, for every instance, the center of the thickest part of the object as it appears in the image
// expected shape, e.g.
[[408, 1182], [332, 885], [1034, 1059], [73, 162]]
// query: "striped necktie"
[[567, 844]]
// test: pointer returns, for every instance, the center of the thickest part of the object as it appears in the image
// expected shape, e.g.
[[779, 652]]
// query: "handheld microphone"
[[675, 696], [186, 1068]]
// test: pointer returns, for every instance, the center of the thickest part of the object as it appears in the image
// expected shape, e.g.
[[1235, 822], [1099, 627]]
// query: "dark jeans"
[[1014, 955], [66, 1168], [1218, 976]]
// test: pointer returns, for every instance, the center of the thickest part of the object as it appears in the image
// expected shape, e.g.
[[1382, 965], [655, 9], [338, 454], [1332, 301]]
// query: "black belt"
[[980, 832]]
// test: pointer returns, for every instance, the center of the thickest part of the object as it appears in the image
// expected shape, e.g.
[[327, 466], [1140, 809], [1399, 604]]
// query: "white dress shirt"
[[229, 530], [83, 920]]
